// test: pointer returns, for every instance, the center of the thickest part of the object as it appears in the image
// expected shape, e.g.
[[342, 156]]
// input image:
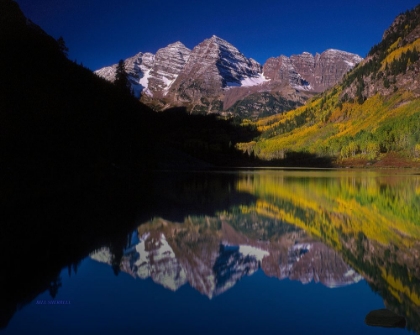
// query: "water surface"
[[264, 251]]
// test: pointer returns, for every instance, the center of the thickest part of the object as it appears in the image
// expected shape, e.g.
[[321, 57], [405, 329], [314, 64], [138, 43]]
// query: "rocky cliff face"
[[168, 64], [392, 65], [315, 73], [316, 262], [282, 70], [214, 65], [138, 67], [215, 76], [151, 75], [217, 60], [331, 66]]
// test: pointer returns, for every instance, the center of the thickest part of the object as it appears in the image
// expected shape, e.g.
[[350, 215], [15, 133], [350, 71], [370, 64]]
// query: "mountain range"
[[215, 77], [213, 259], [73, 118], [64, 131]]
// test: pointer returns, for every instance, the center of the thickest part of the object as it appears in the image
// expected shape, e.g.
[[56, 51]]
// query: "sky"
[[99, 33]]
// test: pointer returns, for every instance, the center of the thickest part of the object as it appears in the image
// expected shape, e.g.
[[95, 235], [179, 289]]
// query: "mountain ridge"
[[215, 75], [370, 118]]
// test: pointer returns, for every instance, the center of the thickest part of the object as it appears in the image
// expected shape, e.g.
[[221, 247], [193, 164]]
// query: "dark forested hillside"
[[77, 156], [54, 112], [60, 119]]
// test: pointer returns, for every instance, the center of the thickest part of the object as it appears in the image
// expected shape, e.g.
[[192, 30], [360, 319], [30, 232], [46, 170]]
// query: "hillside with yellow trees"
[[371, 118], [370, 217]]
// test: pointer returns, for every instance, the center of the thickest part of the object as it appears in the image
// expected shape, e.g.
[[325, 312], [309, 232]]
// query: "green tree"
[[121, 78], [372, 149], [353, 148]]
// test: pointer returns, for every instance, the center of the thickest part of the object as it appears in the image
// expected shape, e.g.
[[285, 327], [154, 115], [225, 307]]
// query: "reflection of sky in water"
[[257, 304], [261, 274]]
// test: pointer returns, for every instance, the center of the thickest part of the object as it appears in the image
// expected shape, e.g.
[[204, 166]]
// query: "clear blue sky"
[[101, 32]]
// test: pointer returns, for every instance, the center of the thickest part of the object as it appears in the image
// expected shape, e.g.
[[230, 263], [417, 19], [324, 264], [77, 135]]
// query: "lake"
[[222, 252]]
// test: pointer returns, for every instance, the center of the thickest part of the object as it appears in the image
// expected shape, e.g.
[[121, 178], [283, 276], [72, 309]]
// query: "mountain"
[[61, 121], [290, 82], [307, 72], [69, 142], [392, 64], [370, 118], [152, 73], [215, 77], [213, 257], [214, 65]]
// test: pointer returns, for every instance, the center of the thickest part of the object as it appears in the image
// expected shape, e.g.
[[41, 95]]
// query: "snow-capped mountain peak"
[[215, 74]]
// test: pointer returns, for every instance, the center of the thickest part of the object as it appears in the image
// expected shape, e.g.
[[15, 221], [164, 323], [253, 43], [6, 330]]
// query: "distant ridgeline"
[[215, 77], [371, 118]]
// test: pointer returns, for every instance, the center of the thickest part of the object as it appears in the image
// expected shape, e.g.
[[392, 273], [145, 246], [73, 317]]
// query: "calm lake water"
[[233, 252]]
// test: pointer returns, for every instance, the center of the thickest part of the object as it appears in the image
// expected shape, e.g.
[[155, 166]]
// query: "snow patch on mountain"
[[302, 246], [204, 77], [248, 81], [157, 260], [107, 72], [143, 258], [168, 84], [252, 81], [102, 255], [298, 250], [247, 250], [303, 87], [353, 274], [144, 81]]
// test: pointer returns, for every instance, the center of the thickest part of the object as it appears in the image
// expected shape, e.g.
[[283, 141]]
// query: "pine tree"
[[62, 46], [121, 77], [414, 56]]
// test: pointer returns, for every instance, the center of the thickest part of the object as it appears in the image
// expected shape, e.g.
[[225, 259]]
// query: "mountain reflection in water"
[[211, 230], [372, 218], [211, 256]]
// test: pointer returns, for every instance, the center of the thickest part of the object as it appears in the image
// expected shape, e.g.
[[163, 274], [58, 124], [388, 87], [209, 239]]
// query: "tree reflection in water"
[[211, 229]]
